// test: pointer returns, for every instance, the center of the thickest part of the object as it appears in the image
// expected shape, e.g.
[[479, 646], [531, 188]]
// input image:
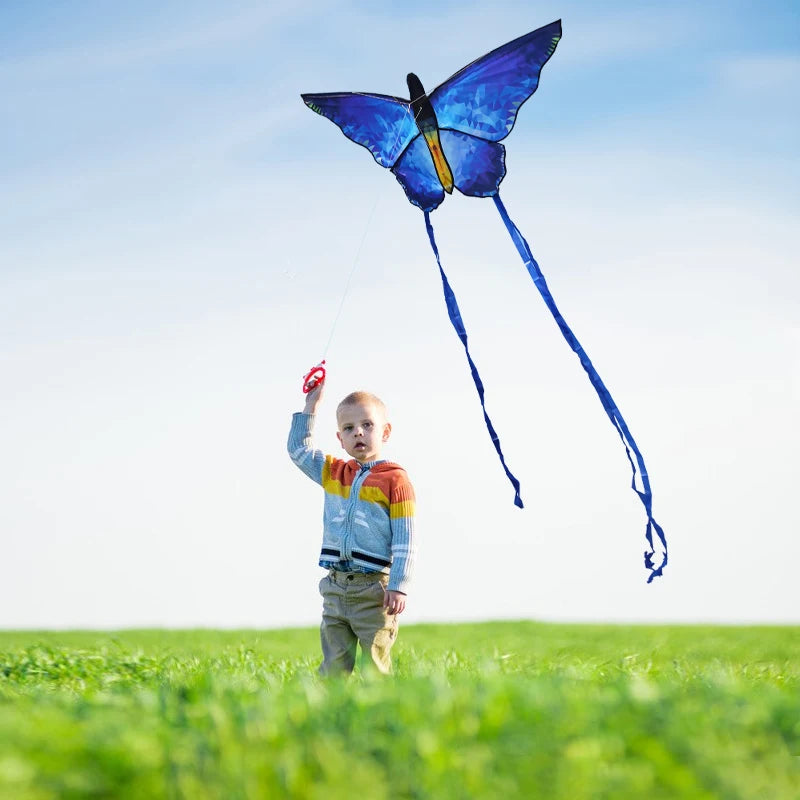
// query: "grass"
[[494, 710]]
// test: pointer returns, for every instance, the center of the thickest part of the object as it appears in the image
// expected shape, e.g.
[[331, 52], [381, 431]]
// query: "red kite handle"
[[314, 377]]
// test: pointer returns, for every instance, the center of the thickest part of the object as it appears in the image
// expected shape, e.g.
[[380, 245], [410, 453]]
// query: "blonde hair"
[[354, 398]]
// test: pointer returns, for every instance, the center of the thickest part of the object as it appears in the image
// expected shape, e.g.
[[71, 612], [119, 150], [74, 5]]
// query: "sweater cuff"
[[400, 586]]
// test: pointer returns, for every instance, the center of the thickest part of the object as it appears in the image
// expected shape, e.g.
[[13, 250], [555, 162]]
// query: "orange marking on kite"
[[439, 161]]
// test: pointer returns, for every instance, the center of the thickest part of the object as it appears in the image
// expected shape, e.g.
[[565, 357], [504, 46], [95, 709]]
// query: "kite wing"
[[483, 98], [384, 125], [478, 166], [417, 175]]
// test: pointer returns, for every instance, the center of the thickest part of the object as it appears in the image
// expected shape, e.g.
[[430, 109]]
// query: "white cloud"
[[761, 72], [98, 54]]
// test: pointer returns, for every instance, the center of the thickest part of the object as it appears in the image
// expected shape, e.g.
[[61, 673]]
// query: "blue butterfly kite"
[[451, 138]]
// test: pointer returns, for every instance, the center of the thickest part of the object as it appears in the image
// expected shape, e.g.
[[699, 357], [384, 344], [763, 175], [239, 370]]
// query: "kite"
[[451, 138]]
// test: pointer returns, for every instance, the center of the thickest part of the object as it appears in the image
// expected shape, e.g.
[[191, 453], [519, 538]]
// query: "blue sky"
[[176, 231]]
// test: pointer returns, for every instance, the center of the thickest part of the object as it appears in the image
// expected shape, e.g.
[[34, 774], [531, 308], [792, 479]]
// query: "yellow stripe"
[[405, 508], [373, 494], [331, 485]]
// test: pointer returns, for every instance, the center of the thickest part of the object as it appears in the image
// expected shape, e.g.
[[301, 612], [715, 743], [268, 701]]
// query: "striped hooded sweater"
[[368, 516]]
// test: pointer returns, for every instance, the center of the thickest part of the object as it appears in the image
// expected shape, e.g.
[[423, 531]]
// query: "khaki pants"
[[353, 612]]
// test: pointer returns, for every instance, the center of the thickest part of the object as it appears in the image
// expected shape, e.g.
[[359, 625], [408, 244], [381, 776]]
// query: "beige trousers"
[[353, 613]]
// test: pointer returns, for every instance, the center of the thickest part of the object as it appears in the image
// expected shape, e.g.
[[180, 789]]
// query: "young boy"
[[368, 532]]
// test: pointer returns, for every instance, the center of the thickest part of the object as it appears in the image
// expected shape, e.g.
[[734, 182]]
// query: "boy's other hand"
[[394, 602]]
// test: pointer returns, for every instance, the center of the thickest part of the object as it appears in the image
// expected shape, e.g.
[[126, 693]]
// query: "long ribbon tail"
[[458, 323], [645, 495]]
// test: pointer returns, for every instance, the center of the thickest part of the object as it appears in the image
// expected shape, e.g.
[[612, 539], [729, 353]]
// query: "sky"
[[178, 231]]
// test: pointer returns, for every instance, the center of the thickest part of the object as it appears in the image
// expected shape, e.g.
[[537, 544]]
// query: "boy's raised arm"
[[300, 447], [313, 399]]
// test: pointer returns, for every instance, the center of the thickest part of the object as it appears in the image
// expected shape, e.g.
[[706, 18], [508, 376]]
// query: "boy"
[[368, 532]]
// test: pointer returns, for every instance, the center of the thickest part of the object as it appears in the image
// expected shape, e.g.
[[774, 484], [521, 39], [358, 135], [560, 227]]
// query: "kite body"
[[451, 139]]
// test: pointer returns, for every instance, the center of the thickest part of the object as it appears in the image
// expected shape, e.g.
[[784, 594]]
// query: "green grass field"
[[494, 710]]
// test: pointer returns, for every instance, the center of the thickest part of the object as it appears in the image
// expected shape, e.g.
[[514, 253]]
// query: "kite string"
[[350, 276], [360, 247]]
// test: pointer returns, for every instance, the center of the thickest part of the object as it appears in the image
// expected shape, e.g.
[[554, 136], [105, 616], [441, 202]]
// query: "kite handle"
[[314, 377]]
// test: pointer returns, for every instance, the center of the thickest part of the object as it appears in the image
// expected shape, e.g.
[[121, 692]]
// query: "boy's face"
[[362, 430]]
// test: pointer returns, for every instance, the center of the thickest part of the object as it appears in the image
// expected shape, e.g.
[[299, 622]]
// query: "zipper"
[[355, 488]]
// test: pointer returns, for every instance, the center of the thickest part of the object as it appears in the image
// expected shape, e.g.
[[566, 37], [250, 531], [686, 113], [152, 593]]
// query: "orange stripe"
[[439, 161], [382, 481]]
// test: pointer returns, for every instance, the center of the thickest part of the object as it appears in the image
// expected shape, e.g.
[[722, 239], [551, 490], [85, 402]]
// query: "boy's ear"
[[387, 431], [339, 437]]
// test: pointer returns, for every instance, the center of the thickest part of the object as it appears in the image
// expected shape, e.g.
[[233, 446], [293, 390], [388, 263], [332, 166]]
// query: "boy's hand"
[[394, 602], [313, 398]]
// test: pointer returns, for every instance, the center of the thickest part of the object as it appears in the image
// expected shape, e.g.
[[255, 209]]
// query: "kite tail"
[[609, 405], [458, 324]]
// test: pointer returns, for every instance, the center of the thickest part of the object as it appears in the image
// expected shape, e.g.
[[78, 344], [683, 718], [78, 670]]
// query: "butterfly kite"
[[451, 138]]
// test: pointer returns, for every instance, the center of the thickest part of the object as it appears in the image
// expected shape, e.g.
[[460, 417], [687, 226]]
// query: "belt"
[[344, 578]]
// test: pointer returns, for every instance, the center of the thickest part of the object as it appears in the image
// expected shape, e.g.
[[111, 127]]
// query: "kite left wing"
[[382, 124]]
